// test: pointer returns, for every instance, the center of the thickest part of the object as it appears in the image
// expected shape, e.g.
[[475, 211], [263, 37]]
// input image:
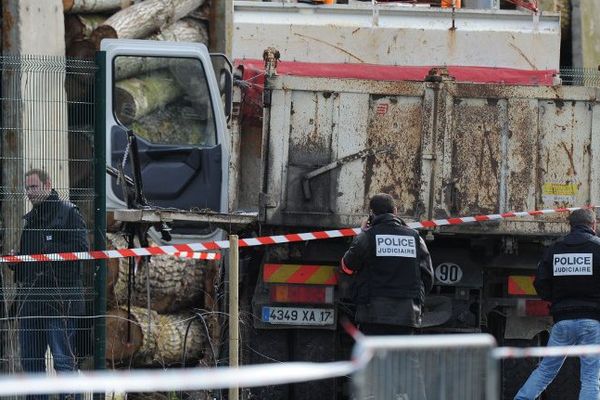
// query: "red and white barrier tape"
[[261, 241], [198, 255], [558, 351]]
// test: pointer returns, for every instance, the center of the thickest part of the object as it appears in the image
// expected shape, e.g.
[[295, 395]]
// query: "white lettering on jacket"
[[572, 264], [395, 246]]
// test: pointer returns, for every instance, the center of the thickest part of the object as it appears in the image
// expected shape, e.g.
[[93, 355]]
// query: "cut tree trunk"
[[185, 30], [155, 340], [202, 13], [93, 6], [141, 19], [136, 97], [175, 283], [118, 348], [79, 27], [175, 123]]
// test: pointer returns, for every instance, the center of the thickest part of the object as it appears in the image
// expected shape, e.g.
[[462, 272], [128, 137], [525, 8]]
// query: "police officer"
[[392, 270], [568, 276]]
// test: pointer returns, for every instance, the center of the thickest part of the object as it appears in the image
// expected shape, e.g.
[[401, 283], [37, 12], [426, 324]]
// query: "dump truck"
[[453, 112]]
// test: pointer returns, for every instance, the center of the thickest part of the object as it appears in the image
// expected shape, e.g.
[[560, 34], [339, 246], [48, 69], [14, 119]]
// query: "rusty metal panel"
[[565, 147], [595, 155], [478, 136], [521, 154], [443, 149], [311, 131], [395, 126], [350, 137], [314, 122], [519, 149]]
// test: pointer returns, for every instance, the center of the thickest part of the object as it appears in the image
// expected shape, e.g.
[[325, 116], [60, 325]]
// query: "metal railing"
[[441, 367], [48, 125], [580, 77]]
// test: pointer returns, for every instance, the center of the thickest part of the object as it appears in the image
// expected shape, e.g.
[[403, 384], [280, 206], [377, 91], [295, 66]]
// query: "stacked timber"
[[165, 295], [87, 22], [170, 284], [146, 86], [147, 338], [165, 326]]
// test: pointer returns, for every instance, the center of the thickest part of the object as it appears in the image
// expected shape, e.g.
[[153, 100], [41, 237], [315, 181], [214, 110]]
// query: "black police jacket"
[[53, 226], [393, 272], [569, 276]]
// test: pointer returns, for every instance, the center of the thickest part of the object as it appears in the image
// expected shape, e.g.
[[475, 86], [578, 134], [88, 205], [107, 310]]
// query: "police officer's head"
[[382, 203], [583, 216]]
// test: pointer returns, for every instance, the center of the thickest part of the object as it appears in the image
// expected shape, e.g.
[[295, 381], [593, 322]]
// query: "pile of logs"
[[145, 84], [163, 294], [87, 22]]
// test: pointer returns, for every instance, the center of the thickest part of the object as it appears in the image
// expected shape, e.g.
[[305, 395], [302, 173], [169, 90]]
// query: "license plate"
[[298, 316]]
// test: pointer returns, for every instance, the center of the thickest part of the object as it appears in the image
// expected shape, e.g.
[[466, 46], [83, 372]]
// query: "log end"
[[103, 32], [118, 349], [67, 5], [81, 48], [124, 105]]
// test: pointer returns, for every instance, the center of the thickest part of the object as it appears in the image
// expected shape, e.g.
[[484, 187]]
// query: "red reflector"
[[537, 308], [301, 294]]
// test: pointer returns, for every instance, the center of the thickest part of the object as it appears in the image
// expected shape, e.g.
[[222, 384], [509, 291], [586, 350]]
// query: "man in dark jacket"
[[50, 293], [568, 276], [392, 270]]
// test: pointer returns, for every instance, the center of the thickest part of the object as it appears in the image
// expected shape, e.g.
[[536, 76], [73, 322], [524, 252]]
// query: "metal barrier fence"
[[441, 367], [48, 165], [580, 76], [462, 366]]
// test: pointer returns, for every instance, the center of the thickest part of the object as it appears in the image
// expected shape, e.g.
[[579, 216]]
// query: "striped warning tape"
[[261, 241], [198, 255], [297, 273]]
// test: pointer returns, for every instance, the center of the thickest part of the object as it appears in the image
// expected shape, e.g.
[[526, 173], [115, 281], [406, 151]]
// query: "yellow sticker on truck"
[[559, 192]]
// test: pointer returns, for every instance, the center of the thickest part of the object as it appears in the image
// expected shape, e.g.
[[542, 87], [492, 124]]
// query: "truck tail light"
[[301, 294], [533, 308]]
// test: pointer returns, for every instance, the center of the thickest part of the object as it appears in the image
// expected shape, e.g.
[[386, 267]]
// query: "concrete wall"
[[35, 118], [33, 27]]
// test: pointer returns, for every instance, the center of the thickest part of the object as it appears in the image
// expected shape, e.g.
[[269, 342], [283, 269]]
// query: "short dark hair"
[[583, 216], [382, 203], [43, 175]]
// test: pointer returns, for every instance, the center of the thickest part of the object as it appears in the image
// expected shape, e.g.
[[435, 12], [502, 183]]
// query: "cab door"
[[166, 93]]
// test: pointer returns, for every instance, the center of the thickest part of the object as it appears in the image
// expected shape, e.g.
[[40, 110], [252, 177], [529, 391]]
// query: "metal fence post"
[[100, 212], [234, 334]]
